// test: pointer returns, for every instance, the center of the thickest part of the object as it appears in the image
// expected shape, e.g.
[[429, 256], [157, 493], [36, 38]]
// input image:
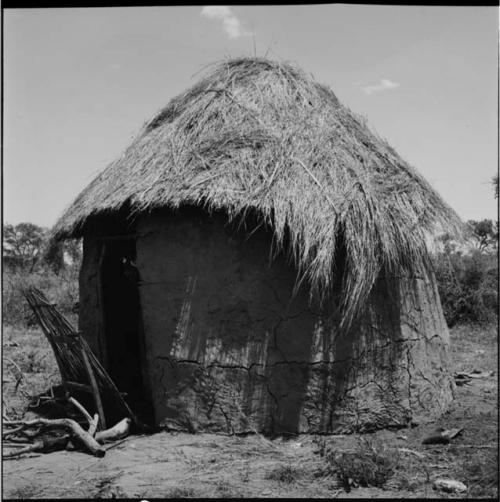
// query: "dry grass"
[[369, 464], [258, 135], [284, 473], [181, 493], [30, 491], [29, 369], [480, 473], [62, 289]]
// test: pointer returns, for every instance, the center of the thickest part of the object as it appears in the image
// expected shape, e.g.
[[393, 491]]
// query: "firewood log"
[[76, 431], [118, 431], [42, 445]]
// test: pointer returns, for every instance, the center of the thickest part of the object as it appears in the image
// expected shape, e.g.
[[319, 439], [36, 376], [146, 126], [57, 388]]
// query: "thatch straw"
[[257, 134]]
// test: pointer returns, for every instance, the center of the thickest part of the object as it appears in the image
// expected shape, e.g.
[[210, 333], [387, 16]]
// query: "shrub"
[[480, 473], [367, 465], [283, 474], [180, 493], [61, 289], [468, 286], [33, 362], [29, 259]]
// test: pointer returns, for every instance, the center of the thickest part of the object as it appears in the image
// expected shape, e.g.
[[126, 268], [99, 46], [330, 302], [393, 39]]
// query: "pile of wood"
[[80, 372], [42, 435], [80, 369]]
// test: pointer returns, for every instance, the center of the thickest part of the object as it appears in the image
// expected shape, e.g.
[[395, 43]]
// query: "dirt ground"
[[208, 465]]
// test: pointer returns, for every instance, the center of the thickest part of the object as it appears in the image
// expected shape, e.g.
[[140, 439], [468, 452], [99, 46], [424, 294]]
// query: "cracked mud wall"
[[399, 371], [230, 350]]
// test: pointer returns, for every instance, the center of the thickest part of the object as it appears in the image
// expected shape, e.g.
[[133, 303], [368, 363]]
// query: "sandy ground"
[[207, 465]]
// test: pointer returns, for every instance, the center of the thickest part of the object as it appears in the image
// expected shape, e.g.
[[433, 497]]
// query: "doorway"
[[124, 336]]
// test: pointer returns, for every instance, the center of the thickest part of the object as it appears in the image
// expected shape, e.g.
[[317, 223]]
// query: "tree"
[[22, 244], [448, 243], [73, 251], [494, 182], [63, 254], [54, 256], [484, 233]]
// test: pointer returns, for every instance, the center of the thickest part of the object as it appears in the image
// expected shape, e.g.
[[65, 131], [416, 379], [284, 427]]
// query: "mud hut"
[[256, 260]]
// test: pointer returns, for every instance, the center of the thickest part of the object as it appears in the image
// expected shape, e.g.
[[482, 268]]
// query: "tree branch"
[[77, 432]]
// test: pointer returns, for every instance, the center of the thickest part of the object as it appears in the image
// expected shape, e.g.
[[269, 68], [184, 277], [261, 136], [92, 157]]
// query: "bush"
[[30, 259], [480, 473], [468, 286], [283, 473], [180, 492], [61, 289], [369, 464]]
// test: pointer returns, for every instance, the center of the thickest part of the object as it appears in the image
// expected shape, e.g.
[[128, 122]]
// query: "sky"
[[79, 83]]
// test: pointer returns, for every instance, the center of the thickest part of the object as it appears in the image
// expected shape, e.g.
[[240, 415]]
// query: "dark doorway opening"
[[124, 336]]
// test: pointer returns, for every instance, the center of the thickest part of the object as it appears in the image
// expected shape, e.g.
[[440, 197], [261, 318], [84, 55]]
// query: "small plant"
[[225, 490], [404, 483], [245, 475], [29, 491], [284, 474], [321, 446], [368, 465], [181, 493], [33, 362], [480, 474]]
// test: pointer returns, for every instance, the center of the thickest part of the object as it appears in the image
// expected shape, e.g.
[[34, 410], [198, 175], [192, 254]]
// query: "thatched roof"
[[261, 135]]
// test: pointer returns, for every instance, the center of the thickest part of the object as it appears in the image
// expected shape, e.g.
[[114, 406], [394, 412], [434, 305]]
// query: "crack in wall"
[[215, 364], [409, 363], [279, 356]]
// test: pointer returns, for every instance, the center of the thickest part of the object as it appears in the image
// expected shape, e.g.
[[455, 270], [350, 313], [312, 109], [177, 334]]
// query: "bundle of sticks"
[[42, 435]]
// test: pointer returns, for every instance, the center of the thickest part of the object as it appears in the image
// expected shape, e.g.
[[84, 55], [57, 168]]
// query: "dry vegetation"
[[382, 464]]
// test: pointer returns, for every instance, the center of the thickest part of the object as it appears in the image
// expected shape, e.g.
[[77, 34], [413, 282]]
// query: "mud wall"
[[229, 349], [397, 372]]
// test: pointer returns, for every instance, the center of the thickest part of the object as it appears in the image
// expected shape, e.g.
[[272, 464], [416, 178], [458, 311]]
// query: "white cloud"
[[231, 24], [384, 85]]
